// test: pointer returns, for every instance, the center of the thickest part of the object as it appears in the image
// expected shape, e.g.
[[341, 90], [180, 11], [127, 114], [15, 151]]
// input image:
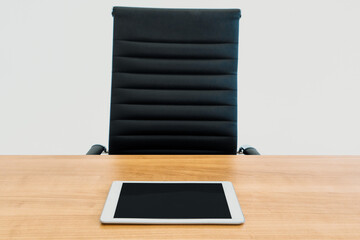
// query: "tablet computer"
[[134, 202]]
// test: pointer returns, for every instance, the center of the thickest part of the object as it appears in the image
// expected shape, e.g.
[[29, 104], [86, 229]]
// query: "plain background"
[[299, 74]]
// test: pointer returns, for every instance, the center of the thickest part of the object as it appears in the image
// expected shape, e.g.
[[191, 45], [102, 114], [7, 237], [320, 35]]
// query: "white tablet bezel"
[[107, 216]]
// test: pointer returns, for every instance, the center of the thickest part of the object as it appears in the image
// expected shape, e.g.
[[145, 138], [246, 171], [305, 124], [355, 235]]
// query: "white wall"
[[299, 74]]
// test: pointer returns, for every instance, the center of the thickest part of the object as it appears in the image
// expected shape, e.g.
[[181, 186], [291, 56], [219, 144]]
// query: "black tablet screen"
[[172, 200]]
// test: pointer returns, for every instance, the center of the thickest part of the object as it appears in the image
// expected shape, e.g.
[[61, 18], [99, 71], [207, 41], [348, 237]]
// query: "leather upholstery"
[[174, 81]]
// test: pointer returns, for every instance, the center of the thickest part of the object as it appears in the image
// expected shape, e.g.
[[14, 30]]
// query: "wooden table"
[[282, 197]]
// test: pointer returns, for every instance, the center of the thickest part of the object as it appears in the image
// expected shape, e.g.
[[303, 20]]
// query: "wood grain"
[[282, 197]]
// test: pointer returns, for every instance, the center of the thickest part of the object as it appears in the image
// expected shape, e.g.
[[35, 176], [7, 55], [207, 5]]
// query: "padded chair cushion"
[[174, 82]]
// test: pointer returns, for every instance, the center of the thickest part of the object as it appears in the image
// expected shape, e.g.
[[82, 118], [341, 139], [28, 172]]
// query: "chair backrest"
[[174, 81]]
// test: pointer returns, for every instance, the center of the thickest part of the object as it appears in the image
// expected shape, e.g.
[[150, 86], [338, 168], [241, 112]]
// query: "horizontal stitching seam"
[[171, 42], [177, 59], [224, 74], [197, 120], [160, 120], [172, 89], [168, 135], [176, 73], [193, 105]]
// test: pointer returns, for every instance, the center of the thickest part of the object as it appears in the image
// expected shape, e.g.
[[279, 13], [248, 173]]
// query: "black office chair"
[[174, 82]]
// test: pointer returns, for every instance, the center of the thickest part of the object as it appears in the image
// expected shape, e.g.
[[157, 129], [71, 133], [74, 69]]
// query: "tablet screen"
[[172, 200]]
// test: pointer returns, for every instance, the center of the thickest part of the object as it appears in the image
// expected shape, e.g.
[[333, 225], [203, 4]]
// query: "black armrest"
[[96, 149], [248, 150]]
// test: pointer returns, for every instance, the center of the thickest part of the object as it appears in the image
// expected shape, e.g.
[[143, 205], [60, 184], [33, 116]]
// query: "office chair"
[[174, 82]]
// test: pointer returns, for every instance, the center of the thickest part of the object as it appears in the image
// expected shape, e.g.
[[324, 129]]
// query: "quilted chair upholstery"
[[174, 81]]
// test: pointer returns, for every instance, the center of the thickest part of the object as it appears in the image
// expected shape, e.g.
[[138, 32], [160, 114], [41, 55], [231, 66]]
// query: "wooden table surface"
[[282, 197]]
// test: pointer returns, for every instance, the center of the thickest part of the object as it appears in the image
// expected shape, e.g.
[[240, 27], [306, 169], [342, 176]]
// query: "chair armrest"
[[96, 149], [248, 150]]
